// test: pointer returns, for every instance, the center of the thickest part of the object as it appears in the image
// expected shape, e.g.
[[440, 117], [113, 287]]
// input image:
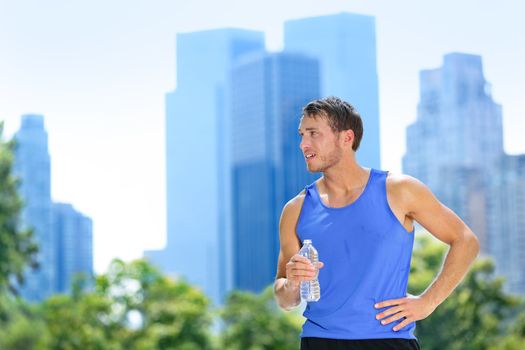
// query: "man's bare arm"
[[291, 273], [422, 206], [446, 226]]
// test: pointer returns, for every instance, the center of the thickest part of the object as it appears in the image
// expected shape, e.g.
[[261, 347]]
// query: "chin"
[[313, 170]]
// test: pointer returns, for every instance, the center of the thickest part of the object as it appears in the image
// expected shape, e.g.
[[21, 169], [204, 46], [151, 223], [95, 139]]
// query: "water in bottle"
[[310, 290]]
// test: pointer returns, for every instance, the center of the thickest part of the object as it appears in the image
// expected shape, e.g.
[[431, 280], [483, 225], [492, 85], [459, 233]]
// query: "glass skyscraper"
[[268, 93], [456, 138], [74, 245], [345, 45], [32, 166], [506, 222], [458, 123], [198, 164]]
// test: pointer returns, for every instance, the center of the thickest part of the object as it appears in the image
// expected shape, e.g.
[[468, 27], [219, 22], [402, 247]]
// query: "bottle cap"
[[306, 241]]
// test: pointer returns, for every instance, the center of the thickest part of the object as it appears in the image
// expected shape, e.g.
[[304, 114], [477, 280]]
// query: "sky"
[[98, 71]]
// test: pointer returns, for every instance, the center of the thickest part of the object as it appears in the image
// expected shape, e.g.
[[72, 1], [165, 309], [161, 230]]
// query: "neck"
[[346, 176]]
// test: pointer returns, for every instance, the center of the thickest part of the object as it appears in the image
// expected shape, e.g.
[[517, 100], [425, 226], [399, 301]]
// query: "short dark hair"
[[340, 115]]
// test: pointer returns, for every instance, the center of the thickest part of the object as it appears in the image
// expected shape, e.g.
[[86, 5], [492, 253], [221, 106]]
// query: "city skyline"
[[63, 235], [249, 102], [96, 109], [198, 228]]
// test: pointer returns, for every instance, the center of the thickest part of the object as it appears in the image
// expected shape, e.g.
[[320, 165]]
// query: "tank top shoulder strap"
[[310, 197], [309, 187], [375, 190], [309, 192]]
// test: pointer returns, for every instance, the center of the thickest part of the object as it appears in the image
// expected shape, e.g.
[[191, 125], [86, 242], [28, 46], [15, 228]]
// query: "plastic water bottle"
[[310, 290]]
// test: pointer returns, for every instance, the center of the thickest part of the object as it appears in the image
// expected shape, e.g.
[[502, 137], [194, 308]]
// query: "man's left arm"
[[422, 206]]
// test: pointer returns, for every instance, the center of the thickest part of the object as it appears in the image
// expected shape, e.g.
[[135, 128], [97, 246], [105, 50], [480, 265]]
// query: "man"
[[361, 221]]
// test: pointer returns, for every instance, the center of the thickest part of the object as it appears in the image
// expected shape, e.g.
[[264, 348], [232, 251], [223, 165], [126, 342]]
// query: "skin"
[[342, 183]]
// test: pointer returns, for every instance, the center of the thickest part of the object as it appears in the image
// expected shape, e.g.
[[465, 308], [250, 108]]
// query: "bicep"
[[433, 215], [289, 243]]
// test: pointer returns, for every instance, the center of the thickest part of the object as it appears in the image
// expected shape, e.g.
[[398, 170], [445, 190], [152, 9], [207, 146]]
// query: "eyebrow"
[[307, 129]]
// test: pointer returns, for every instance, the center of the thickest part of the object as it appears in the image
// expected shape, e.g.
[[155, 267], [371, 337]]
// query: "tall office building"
[[73, 245], [445, 149], [506, 222], [463, 190], [268, 93], [345, 45], [198, 160], [454, 110], [32, 166]]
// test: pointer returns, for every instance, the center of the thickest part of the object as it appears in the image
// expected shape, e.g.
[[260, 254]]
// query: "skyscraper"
[[506, 222], [198, 164], [74, 245], [268, 93], [32, 166], [464, 191], [345, 45], [454, 110], [456, 138]]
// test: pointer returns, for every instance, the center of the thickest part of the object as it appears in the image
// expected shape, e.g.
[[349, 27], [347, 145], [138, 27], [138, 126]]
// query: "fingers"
[[397, 313], [301, 271], [300, 263], [394, 318], [406, 322], [301, 259], [389, 312], [390, 303], [299, 268]]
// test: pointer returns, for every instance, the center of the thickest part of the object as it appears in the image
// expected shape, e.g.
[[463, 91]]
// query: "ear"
[[349, 136]]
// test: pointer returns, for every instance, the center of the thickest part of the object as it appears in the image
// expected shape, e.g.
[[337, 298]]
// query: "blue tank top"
[[366, 253]]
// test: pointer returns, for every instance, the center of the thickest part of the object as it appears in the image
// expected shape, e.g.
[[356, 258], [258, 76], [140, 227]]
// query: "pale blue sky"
[[98, 71]]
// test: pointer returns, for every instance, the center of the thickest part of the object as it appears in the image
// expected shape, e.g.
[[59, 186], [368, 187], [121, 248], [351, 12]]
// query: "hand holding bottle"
[[302, 268]]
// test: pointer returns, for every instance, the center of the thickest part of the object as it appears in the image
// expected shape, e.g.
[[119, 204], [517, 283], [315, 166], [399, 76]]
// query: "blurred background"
[[148, 149]]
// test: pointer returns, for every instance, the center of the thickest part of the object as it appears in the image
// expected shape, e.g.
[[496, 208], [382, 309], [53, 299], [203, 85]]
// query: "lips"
[[309, 156]]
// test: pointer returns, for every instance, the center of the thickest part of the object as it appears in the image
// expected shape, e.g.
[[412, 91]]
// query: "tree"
[[80, 323], [473, 315], [17, 248], [255, 322], [133, 306], [171, 314], [514, 338], [22, 328]]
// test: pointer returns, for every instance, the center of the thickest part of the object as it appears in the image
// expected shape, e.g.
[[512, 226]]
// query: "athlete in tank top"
[[361, 221]]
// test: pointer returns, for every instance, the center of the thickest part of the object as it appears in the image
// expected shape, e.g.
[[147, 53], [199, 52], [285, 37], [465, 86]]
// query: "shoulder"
[[292, 211], [294, 205], [403, 182], [400, 181], [407, 189], [404, 187]]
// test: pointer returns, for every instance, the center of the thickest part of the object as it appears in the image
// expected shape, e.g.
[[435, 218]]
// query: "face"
[[321, 147]]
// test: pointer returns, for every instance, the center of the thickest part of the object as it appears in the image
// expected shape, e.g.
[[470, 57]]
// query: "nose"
[[303, 144]]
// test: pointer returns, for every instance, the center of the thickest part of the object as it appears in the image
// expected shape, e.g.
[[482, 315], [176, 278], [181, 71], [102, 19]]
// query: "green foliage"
[[17, 248], [167, 314], [132, 306], [80, 323], [473, 315], [514, 336], [255, 322], [21, 328]]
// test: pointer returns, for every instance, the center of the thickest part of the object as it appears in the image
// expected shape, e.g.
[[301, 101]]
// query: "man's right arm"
[[291, 268]]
